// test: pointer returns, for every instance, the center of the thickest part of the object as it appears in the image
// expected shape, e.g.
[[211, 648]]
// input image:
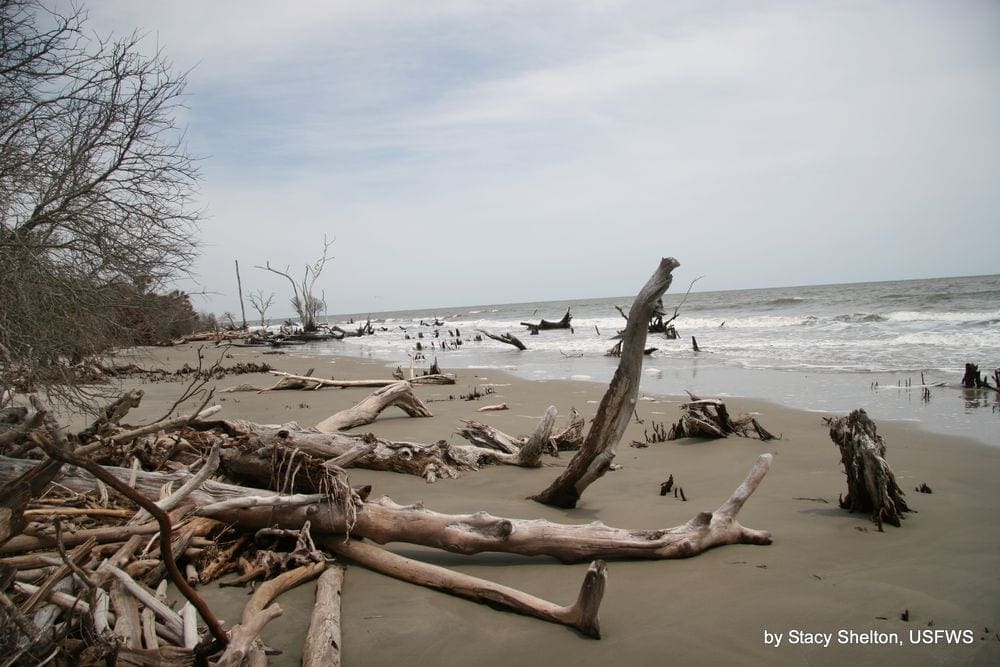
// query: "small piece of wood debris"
[[666, 486], [492, 408]]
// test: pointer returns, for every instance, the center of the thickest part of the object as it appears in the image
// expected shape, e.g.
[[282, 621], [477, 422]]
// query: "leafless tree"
[[261, 304], [95, 188], [304, 299]]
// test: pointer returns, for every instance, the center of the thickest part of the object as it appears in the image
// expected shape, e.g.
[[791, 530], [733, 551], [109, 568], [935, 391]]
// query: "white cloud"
[[754, 142]]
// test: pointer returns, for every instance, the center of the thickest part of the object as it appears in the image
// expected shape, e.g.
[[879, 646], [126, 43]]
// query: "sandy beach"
[[828, 578]]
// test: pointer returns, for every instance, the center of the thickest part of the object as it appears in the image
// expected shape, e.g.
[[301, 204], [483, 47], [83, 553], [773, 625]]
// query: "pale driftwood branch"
[[582, 615], [531, 453], [613, 414], [384, 521], [189, 616], [307, 380], [169, 617], [174, 499], [165, 425], [399, 394], [243, 637], [257, 613], [56, 597], [322, 644], [489, 437]]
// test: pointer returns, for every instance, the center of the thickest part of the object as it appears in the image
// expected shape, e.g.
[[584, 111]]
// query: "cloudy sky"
[[482, 152]]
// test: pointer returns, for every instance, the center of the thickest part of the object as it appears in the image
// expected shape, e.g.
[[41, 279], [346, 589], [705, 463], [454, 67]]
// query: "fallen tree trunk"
[[384, 521], [598, 449], [581, 615], [399, 394], [546, 324], [871, 485]]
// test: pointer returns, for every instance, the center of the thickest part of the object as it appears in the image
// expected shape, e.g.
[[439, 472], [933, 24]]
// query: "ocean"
[[829, 348]]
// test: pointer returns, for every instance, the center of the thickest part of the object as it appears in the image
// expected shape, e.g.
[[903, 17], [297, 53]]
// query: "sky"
[[462, 153]]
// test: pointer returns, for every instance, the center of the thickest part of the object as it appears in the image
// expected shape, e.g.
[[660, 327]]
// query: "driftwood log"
[[508, 338], [323, 641], [489, 437], [871, 485], [311, 382], [709, 418], [385, 521], [544, 325], [581, 615], [616, 407], [399, 394]]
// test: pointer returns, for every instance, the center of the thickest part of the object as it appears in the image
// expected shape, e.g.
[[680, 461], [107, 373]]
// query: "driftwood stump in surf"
[[544, 325]]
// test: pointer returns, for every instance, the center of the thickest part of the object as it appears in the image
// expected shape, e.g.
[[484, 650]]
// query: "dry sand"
[[826, 572]]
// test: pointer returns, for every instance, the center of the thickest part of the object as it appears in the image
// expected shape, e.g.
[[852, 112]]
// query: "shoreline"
[[826, 571], [952, 411]]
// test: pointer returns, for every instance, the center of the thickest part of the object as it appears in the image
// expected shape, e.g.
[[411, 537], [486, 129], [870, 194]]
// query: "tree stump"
[[871, 486]]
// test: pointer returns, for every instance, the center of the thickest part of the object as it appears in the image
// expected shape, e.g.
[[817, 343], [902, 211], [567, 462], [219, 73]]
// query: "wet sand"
[[826, 572]]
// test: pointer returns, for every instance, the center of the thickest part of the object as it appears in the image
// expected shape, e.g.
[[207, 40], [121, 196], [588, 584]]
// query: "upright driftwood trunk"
[[871, 486], [598, 449]]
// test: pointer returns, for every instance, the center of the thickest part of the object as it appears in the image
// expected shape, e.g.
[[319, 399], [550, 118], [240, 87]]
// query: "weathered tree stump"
[[709, 418], [871, 486]]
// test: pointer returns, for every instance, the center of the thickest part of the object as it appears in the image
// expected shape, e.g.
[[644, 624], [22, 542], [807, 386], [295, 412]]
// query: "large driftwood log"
[[322, 645], [598, 450], [385, 521], [399, 394], [544, 325], [871, 486], [291, 381], [581, 615]]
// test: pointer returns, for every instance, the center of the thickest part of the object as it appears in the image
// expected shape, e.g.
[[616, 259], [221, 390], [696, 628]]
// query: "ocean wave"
[[957, 317], [785, 301], [861, 317]]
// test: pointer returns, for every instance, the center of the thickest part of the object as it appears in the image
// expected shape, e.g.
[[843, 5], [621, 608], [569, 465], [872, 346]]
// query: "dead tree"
[[871, 485], [598, 449], [543, 325], [508, 338], [304, 300], [709, 418], [260, 303]]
